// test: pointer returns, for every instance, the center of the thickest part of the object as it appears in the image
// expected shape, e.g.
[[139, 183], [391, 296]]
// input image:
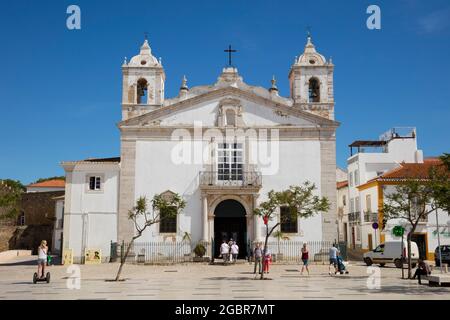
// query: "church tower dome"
[[144, 58], [143, 83], [310, 56]]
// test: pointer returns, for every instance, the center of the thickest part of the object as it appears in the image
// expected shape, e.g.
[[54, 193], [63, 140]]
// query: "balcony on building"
[[225, 179], [354, 218], [371, 217]]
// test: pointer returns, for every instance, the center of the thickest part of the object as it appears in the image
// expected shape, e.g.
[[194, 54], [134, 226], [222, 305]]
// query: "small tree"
[[279, 235], [412, 201], [142, 219], [300, 200]]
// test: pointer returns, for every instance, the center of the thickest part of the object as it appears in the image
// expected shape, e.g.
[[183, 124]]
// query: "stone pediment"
[[271, 112]]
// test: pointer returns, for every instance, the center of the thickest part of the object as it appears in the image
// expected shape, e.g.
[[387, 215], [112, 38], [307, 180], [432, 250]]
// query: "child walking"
[[267, 261]]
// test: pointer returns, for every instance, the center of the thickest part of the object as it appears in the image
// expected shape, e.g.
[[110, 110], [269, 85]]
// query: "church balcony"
[[238, 179]]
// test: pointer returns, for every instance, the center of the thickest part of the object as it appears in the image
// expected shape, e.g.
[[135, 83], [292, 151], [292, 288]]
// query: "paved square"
[[201, 281]]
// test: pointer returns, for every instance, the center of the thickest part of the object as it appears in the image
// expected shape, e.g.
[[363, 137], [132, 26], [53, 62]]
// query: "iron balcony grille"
[[354, 217], [231, 179], [370, 217]]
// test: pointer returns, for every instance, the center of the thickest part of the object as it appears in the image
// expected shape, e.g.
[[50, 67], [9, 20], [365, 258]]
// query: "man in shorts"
[[333, 258]]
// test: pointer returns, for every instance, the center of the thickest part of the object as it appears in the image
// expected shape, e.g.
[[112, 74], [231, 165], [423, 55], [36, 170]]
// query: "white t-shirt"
[[234, 249], [224, 248], [333, 252], [42, 254]]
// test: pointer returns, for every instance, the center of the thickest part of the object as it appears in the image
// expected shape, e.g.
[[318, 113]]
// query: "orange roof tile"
[[55, 183], [342, 184], [412, 170]]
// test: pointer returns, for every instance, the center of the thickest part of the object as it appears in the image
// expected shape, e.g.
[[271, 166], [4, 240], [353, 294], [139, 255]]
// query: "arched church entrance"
[[230, 222]]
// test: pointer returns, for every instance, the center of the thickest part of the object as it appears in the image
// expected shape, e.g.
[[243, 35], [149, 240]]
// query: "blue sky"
[[61, 90]]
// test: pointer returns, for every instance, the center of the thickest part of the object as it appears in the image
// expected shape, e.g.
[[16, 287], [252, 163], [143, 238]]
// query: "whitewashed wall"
[[90, 218]]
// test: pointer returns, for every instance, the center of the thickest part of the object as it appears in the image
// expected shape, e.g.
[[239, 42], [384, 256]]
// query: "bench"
[[437, 279]]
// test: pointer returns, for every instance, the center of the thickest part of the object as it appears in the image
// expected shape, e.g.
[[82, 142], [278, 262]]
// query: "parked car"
[[445, 252], [391, 252]]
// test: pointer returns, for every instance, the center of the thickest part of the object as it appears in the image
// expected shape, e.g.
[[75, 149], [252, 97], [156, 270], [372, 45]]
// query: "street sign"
[[398, 231], [375, 225]]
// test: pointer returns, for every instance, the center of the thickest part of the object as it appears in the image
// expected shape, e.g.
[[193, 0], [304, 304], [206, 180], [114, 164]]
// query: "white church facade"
[[222, 147]]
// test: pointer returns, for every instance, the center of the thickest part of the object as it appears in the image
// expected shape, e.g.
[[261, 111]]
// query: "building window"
[[95, 183], [356, 177], [21, 220], [350, 179], [352, 205], [368, 203], [168, 221], [230, 117], [344, 200], [357, 204], [288, 221], [230, 162]]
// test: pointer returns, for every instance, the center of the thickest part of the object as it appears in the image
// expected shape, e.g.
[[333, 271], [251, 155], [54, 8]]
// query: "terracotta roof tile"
[[342, 184], [55, 183], [412, 170]]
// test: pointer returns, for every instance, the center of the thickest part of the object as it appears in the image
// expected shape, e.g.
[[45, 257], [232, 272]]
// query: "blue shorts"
[[305, 262], [333, 261], [41, 261]]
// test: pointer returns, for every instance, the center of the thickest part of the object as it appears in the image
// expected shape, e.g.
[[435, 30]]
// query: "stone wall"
[[39, 207], [6, 233]]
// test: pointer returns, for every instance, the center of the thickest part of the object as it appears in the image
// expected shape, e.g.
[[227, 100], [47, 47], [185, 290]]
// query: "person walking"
[[333, 258], [230, 255], [267, 260], [257, 254], [234, 251], [305, 258], [423, 269], [224, 251]]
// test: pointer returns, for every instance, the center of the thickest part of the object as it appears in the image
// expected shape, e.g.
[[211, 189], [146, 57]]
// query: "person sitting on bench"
[[423, 269]]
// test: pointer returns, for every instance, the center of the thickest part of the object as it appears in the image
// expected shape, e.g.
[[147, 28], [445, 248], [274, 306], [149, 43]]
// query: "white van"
[[391, 251]]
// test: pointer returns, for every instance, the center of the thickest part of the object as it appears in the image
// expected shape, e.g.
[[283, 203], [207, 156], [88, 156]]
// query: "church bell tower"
[[143, 83], [311, 82]]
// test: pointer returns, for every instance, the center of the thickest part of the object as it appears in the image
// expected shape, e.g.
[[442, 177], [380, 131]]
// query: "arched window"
[[314, 90], [142, 91], [231, 117]]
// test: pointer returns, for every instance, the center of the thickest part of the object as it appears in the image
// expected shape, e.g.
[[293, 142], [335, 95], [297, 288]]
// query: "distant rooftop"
[[391, 134], [54, 183]]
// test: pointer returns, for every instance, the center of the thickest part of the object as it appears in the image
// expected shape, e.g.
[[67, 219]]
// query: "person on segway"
[[42, 259]]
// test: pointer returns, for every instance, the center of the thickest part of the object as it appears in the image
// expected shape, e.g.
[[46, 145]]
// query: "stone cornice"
[[284, 132]]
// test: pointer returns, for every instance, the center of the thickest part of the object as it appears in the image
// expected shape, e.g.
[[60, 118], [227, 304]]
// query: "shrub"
[[199, 250]]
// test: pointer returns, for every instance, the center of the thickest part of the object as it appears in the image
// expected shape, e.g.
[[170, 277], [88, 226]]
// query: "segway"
[[38, 279]]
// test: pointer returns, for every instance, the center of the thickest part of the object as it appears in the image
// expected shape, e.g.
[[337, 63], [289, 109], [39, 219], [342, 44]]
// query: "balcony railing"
[[354, 217], [370, 217], [240, 179]]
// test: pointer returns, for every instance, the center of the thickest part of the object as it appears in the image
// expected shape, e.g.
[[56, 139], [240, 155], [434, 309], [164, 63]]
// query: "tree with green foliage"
[[301, 202], [10, 196], [412, 202], [142, 219], [440, 183]]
